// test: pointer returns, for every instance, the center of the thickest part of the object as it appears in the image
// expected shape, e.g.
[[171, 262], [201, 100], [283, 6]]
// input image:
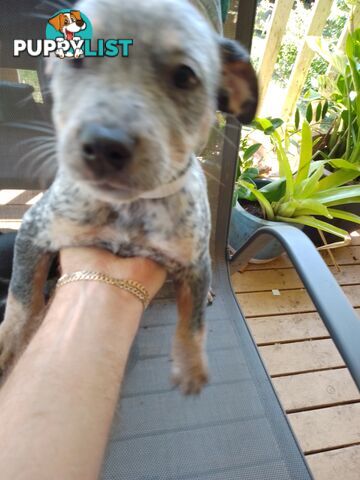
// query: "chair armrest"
[[329, 299]]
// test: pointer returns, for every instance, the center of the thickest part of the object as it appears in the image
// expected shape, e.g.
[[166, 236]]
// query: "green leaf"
[[309, 185], [339, 193], [277, 122], [248, 179], [249, 152], [297, 119], [262, 124], [251, 172], [309, 113], [284, 166], [318, 112], [311, 207], [334, 133], [351, 217], [336, 179], [345, 164], [325, 109], [316, 223], [274, 190], [343, 201], [349, 47], [316, 164], [305, 153], [285, 209], [244, 194], [264, 203]]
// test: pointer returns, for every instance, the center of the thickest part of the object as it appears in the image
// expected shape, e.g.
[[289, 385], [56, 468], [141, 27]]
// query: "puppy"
[[128, 179], [69, 24]]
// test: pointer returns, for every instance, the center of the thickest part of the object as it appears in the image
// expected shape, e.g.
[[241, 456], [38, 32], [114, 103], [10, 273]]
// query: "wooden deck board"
[[289, 301], [327, 428], [287, 328], [305, 356], [316, 389], [341, 464], [344, 256], [252, 281]]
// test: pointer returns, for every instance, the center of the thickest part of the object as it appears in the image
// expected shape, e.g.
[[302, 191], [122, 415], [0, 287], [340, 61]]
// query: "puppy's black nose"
[[104, 149]]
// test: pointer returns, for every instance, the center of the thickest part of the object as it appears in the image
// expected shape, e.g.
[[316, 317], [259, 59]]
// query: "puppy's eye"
[[66, 21], [77, 63], [185, 78]]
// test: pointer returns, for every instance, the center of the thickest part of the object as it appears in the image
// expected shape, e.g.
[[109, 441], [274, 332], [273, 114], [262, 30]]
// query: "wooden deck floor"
[[315, 388], [309, 375]]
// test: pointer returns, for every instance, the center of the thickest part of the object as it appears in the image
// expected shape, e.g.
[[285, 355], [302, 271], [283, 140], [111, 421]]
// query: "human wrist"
[[128, 285], [98, 297], [142, 270]]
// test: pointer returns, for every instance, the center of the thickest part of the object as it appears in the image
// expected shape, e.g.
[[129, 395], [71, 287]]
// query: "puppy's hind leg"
[[188, 352], [25, 302]]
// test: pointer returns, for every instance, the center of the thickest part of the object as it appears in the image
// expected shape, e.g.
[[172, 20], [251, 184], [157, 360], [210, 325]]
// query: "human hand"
[[145, 271]]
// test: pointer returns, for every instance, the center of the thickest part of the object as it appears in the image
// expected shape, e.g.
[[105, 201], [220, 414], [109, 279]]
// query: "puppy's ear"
[[57, 22], [238, 93], [76, 14]]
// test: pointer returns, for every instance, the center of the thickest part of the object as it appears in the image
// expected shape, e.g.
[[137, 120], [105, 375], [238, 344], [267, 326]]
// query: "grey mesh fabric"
[[236, 428]]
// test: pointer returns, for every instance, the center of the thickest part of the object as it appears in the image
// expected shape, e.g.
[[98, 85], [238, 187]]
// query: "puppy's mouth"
[[69, 35]]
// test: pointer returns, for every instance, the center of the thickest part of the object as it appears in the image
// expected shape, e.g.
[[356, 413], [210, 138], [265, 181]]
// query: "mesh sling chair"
[[21, 118], [236, 429]]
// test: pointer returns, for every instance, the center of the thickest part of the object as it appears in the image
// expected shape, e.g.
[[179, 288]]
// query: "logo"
[[69, 35], [69, 29]]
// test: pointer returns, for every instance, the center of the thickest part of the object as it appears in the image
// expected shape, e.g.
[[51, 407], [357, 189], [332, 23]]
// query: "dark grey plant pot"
[[243, 225]]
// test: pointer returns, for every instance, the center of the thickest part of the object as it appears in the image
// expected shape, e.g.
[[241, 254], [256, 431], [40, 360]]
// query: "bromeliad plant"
[[340, 100], [303, 197], [248, 168]]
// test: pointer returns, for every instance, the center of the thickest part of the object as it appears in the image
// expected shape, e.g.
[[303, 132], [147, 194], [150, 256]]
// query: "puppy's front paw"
[[210, 297], [189, 371], [190, 379]]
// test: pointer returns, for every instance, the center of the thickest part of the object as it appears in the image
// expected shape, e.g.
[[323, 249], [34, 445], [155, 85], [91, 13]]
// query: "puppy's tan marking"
[[21, 323], [188, 353], [66, 231]]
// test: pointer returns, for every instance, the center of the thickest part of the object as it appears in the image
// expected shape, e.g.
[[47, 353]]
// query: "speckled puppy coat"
[[128, 179]]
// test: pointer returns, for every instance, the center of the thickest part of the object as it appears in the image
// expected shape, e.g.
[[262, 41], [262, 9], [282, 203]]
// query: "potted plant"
[[295, 199], [338, 96], [335, 118]]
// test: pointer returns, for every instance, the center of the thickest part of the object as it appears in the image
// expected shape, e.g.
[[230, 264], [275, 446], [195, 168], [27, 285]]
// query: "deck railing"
[[318, 17]]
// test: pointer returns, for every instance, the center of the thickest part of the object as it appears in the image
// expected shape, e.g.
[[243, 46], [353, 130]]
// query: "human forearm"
[[57, 405]]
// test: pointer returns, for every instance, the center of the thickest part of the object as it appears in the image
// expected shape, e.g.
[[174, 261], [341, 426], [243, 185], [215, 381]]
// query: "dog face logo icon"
[[68, 23], [69, 29]]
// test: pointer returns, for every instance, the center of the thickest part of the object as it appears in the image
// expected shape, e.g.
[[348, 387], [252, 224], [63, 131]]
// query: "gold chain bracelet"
[[131, 286]]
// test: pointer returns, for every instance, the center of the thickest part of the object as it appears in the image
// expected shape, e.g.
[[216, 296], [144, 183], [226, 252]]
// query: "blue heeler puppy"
[[128, 180]]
